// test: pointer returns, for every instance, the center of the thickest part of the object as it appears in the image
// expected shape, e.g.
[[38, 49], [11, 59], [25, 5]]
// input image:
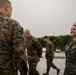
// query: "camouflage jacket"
[[70, 51], [49, 49], [11, 42], [33, 46]]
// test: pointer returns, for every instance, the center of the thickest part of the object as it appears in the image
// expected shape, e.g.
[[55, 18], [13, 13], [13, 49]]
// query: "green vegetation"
[[58, 41]]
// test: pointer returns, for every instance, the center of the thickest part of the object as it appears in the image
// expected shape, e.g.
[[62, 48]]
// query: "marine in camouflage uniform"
[[70, 52], [34, 52], [49, 56], [11, 40]]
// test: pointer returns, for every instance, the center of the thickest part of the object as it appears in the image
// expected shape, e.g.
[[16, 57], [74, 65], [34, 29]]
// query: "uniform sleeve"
[[17, 39], [73, 55], [38, 47], [48, 48]]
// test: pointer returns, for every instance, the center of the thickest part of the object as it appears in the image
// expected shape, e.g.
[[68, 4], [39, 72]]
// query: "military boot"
[[58, 71], [46, 73]]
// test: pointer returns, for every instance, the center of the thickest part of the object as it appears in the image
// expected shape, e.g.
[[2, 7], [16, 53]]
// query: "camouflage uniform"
[[49, 56], [21, 65], [34, 51], [11, 42], [70, 65]]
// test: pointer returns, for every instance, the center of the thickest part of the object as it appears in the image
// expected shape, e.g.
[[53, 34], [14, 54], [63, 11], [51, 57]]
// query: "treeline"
[[58, 41]]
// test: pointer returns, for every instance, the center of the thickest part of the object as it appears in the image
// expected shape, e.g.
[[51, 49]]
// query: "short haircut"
[[3, 2], [45, 37], [27, 31], [74, 24]]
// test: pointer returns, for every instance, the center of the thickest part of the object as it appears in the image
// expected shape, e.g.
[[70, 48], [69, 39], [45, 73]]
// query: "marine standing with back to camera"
[[11, 42], [70, 52]]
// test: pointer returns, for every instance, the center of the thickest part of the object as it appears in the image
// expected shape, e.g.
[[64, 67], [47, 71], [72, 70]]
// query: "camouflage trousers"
[[33, 66], [21, 73], [21, 65], [49, 61]]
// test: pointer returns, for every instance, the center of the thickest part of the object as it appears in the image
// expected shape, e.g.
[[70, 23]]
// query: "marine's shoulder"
[[16, 24], [35, 39], [10, 20], [49, 42]]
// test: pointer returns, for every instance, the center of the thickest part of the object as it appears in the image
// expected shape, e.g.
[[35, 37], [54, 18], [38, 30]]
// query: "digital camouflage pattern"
[[70, 65], [34, 51], [49, 56], [11, 42], [21, 65]]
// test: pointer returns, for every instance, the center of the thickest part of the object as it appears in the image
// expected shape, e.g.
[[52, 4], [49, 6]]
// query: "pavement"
[[60, 55], [59, 61]]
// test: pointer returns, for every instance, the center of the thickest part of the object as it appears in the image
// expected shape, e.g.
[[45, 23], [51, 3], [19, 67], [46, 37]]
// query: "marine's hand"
[[29, 57], [23, 56]]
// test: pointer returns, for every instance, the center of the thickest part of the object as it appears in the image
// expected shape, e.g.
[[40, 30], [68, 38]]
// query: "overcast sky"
[[45, 17]]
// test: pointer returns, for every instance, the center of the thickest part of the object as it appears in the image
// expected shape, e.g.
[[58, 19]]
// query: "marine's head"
[[27, 33], [5, 7], [45, 38], [73, 30]]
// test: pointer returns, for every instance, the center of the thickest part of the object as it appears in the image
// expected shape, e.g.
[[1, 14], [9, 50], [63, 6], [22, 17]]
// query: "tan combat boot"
[[46, 73]]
